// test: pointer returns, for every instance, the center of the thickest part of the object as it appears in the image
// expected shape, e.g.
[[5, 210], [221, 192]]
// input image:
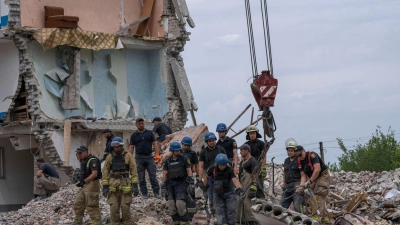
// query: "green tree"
[[380, 153]]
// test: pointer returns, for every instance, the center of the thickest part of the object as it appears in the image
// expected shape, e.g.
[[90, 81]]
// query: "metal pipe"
[[241, 131], [240, 115], [273, 176]]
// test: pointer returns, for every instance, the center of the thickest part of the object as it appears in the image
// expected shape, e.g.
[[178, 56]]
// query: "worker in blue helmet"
[[226, 185], [176, 180], [207, 159], [187, 151], [230, 146]]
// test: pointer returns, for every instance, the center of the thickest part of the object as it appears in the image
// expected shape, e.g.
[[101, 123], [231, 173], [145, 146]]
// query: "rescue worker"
[[312, 166], [186, 143], [120, 182], [88, 196], [206, 159], [257, 147], [225, 182], [177, 176], [109, 136], [230, 146], [248, 181], [141, 145], [291, 179], [46, 182], [161, 129]]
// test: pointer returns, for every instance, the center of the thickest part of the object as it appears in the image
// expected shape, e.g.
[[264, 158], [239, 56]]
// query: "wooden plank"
[[67, 141], [71, 98], [146, 12], [20, 107]]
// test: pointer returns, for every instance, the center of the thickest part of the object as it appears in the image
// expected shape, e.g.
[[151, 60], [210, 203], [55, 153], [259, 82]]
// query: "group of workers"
[[228, 185], [305, 171]]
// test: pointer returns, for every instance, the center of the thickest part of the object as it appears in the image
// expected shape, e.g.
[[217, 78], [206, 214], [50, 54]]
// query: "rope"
[[265, 38]]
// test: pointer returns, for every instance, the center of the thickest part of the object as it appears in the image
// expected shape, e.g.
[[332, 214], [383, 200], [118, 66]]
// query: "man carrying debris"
[[248, 181], [291, 179], [312, 166], [120, 182], [225, 182], [229, 145], [257, 146], [46, 181], [88, 196], [206, 159], [161, 129], [177, 177], [141, 145], [192, 155], [109, 136]]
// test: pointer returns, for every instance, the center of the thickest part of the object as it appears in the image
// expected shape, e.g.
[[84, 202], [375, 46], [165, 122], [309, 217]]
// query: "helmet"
[[252, 128], [117, 141], [209, 136], [290, 143], [187, 140], [221, 127], [221, 159], [175, 146]]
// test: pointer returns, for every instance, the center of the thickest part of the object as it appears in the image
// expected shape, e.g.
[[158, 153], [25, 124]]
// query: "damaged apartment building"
[[70, 69]]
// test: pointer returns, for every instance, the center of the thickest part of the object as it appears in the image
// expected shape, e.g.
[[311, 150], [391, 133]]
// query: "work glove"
[[240, 193], [205, 191], [236, 171], [135, 189], [199, 184], [307, 184], [80, 184], [105, 191], [299, 189], [157, 158], [189, 180], [253, 190], [163, 187], [263, 171]]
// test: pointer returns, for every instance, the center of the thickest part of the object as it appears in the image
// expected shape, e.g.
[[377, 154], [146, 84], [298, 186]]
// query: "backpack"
[[309, 162]]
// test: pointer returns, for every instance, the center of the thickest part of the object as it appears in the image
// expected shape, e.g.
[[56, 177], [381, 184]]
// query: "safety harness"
[[309, 162], [87, 168]]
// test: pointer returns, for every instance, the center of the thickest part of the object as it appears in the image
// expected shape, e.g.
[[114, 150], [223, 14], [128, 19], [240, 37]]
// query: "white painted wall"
[[9, 73], [17, 187]]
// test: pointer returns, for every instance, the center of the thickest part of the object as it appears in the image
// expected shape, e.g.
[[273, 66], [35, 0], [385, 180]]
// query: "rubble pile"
[[58, 209], [370, 195]]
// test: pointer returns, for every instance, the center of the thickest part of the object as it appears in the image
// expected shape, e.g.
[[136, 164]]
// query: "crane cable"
[[251, 39], [266, 33]]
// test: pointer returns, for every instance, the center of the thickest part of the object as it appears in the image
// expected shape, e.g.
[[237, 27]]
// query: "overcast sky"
[[337, 64]]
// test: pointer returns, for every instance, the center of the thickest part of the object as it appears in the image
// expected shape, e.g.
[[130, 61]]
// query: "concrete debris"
[[373, 196], [195, 132]]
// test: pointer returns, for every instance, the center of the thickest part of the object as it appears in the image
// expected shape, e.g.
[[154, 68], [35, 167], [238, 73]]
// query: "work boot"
[[157, 196], [40, 197]]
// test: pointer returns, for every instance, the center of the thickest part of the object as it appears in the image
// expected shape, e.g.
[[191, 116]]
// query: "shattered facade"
[[61, 87]]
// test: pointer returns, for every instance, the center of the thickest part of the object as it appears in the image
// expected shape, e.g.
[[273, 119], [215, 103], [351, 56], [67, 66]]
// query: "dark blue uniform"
[[292, 179], [109, 148], [224, 194], [208, 157], [144, 160], [177, 194], [162, 130], [229, 144]]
